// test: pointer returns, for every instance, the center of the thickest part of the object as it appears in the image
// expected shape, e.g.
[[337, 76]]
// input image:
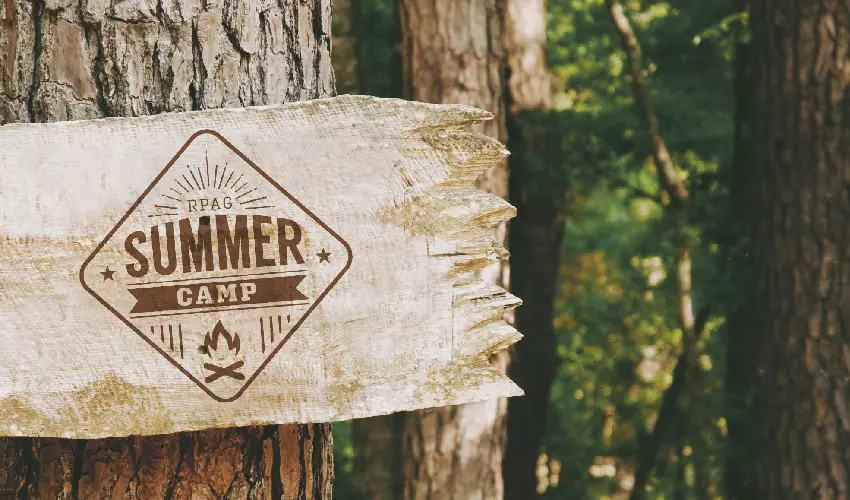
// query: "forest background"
[[616, 308]]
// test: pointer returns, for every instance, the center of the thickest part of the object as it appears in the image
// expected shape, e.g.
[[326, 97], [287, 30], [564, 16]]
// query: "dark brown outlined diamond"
[[216, 319]]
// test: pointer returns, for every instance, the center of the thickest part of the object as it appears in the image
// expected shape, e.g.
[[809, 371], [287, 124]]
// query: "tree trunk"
[[76, 59], [535, 241], [740, 346], [377, 32], [344, 53], [801, 310], [451, 53]]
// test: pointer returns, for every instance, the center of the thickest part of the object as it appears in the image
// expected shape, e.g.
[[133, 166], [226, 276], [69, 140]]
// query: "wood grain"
[[408, 326]]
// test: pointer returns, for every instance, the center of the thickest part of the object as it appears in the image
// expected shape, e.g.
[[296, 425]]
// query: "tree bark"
[[451, 53], [535, 242], [78, 59], [800, 152]]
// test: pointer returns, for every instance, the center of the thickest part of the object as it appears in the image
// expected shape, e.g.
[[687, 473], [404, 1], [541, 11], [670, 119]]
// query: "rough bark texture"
[[535, 240], [290, 462], [76, 59], [451, 53], [529, 83], [801, 312]]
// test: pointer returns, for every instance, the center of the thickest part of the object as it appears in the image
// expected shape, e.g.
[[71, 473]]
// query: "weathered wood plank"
[[355, 297]]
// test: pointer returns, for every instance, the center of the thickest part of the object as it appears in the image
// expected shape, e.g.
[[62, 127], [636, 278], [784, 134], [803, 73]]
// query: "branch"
[[648, 451], [639, 192], [671, 182], [667, 172], [667, 175]]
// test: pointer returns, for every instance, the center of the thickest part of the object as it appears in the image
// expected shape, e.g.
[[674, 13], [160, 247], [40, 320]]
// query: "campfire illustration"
[[211, 342]]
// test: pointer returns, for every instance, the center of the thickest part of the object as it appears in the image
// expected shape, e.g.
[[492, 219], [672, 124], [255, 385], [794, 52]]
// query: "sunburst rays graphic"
[[196, 180]]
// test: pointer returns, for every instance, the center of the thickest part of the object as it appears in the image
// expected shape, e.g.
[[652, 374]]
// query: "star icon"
[[324, 256], [107, 275]]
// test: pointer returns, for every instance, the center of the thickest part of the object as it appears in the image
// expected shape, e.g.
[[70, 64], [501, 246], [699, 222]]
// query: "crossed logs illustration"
[[233, 344]]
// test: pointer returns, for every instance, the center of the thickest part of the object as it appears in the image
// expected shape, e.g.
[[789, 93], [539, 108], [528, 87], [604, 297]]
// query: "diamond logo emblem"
[[216, 266]]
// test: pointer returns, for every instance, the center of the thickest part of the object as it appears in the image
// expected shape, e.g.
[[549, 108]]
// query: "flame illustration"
[[233, 341]]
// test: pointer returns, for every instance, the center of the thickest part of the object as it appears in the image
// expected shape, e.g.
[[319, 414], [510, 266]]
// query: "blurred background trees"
[[594, 246]]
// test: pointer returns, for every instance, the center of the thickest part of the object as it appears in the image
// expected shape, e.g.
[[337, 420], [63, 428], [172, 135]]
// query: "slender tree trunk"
[[344, 53], [377, 30], [451, 53], [741, 348], [535, 241], [75, 59], [801, 287], [675, 186]]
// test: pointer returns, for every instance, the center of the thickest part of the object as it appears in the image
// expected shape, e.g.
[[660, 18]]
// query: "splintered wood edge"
[[463, 218], [457, 219]]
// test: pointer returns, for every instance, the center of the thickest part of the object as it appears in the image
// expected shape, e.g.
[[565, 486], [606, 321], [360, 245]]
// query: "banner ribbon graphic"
[[246, 292]]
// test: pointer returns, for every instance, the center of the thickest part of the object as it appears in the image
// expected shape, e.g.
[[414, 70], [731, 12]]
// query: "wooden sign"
[[308, 262]]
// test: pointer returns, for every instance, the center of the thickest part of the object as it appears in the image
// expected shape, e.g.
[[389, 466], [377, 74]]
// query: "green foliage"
[[344, 478], [616, 316]]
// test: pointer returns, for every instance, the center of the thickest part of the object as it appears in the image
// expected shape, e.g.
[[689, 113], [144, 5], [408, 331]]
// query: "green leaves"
[[616, 315]]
